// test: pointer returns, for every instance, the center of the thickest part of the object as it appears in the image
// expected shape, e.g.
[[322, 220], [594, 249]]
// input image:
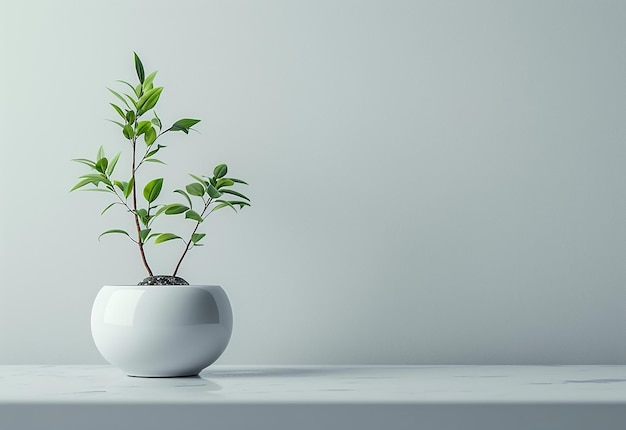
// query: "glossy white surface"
[[161, 330], [320, 385]]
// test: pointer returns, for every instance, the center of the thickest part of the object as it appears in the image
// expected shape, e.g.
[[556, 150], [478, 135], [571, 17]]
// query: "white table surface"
[[310, 384], [301, 396]]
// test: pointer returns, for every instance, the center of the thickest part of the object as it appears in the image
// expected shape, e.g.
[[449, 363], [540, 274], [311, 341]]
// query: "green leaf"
[[100, 154], [212, 191], [132, 100], [181, 192], [175, 209], [128, 132], [82, 184], [115, 230], [224, 182], [164, 237], [142, 101], [113, 163], [143, 234], [139, 68], [154, 160], [118, 110], [130, 116], [96, 178], [239, 181], [85, 162], [116, 122], [150, 135], [195, 189], [191, 214], [98, 190], [184, 125], [160, 211], [149, 100], [149, 79], [119, 97], [101, 165], [142, 127], [223, 204], [152, 101], [143, 216], [152, 189], [197, 237], [121, 185], [239, 202], [129, 188], [130, 85], [234, 193], [138, 90], [199, 179], [152, 235], [220, 170], [154, 151], [157, 121], [109, 207]]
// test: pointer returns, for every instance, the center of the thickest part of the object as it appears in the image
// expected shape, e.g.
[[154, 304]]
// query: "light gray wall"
[[433, 181]]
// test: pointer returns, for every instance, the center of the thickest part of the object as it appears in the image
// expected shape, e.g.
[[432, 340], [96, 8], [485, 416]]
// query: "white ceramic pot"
[[161, 331]]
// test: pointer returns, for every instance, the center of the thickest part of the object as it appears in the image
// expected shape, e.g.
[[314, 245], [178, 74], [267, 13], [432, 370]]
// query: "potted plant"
[[163, 326]]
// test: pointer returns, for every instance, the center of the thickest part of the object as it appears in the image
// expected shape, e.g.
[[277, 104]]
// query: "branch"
[[137, 226], [188, 244]]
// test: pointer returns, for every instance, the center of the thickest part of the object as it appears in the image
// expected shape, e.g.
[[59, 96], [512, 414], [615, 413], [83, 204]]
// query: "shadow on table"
[[295, 371], [188, 384]]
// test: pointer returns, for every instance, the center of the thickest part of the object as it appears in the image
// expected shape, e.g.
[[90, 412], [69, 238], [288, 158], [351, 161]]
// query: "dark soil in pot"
[[163, 280]]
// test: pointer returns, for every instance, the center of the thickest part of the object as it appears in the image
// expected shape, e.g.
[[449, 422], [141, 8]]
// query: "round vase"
[[161, 331]]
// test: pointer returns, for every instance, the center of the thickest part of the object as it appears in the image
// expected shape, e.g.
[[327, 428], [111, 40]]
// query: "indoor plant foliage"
[[142, 130], [158, 328]]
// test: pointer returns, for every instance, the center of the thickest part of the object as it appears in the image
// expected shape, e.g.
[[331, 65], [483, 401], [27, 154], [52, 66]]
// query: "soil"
[[163, 280]]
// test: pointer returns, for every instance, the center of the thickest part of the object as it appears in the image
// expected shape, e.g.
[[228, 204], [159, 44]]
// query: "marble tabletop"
[[88, 384]]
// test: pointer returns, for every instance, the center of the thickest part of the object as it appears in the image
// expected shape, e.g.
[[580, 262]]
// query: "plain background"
[[432, 181]]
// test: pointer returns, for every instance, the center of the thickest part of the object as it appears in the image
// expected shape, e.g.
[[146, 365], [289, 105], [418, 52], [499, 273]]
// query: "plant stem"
[[187, 248], [137, 226], [188, 243]]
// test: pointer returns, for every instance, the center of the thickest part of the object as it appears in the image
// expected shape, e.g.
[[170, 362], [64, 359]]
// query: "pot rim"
[[162, 286]]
